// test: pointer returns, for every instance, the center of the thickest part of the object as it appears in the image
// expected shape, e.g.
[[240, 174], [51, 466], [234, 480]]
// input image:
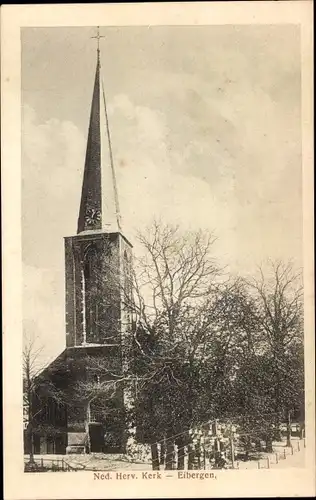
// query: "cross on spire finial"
[[97, 37]]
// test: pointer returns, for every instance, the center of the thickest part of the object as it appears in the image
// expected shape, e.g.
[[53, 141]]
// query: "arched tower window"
[[127, 280], [91, 299]]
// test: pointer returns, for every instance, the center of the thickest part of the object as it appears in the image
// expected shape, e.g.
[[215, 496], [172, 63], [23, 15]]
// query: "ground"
[[93, 461], [282, 457]]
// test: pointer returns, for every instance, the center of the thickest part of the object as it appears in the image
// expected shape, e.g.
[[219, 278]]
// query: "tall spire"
[[99, 207]]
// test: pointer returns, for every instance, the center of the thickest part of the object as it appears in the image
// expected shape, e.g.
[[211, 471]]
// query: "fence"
[[211, 452], [47, 464], [276, 457]]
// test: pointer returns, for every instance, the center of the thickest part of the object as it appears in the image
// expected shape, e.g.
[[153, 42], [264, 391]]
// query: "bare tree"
[[174, 293], [279, 314], [31, 369], [36, 390], [100, 390]]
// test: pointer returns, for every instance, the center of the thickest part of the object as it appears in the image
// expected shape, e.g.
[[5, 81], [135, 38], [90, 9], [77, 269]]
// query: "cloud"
[[43, 310], [241, 179], [52, 166], [148, 170]]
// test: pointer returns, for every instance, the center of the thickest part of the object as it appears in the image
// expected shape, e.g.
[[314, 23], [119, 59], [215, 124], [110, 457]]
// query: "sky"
[[206, 132]]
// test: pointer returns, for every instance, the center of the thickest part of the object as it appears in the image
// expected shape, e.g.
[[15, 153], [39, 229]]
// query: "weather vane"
[[97, 37]]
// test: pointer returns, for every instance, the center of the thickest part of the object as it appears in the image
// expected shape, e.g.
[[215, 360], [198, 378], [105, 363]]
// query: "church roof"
[[72, 354], [99, 207]]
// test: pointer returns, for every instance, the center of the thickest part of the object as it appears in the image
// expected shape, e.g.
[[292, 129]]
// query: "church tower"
[[97, 258], [98, 264]]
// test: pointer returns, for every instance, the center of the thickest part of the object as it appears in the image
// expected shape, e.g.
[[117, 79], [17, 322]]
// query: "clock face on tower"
[[92, 217]]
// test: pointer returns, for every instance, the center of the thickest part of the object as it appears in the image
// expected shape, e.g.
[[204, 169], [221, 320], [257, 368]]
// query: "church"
[[72, 410]]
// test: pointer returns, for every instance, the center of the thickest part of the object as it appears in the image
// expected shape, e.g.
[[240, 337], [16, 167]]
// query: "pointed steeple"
[[99, 207]]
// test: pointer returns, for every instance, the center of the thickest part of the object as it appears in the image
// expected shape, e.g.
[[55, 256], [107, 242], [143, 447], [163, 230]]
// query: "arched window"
[[91, 299], [126, 265], [127, 280]]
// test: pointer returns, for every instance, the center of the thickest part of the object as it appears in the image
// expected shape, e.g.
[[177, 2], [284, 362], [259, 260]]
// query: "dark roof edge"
[[82, 234]]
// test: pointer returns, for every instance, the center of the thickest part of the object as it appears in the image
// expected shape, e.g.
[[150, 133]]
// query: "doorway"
[[50, 445], [96, 434]]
